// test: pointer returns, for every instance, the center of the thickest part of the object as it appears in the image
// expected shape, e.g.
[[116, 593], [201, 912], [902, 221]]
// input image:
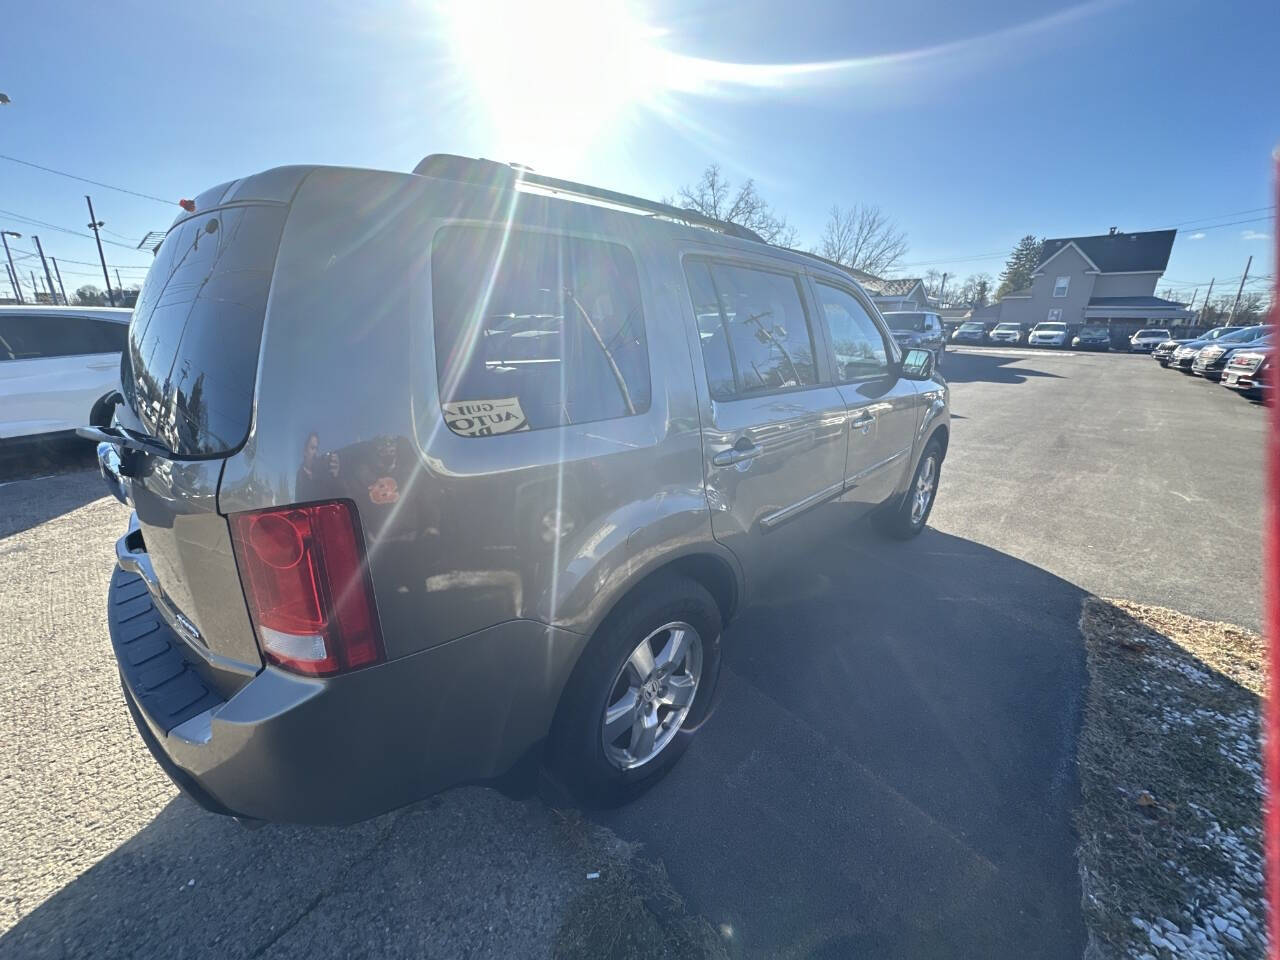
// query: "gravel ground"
[[1171, 781], [102, 857]]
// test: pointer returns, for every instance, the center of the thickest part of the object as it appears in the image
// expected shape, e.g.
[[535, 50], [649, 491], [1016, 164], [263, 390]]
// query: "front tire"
[[905, 518], [639, 692]]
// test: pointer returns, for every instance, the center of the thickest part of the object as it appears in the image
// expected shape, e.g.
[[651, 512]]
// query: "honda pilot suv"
[[432, 473]]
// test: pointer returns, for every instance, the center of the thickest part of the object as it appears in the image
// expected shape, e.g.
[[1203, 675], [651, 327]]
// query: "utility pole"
[[1193, 298], [5, 235], [1247, 265], [1208, 294], [53, 296], [941, 290], [35, 288], [13, 282], [95, 223], [120, 286], [58, 273]]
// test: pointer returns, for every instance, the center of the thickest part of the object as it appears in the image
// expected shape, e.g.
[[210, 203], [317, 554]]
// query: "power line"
[[1236, 213], [21, 218], [96, 183], [23, 254]]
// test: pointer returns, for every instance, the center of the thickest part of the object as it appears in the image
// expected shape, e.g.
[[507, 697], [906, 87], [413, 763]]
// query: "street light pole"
[[53, 296], [13, 281], [95, 223], [58, 273], [4, 236]]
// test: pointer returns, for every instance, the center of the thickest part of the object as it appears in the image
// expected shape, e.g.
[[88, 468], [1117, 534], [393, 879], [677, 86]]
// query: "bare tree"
[[714, 196], [974, 291], [864, 238], [933, 281]]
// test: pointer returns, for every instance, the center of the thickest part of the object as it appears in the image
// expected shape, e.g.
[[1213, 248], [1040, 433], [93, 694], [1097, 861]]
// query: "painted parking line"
[[1012, 352]]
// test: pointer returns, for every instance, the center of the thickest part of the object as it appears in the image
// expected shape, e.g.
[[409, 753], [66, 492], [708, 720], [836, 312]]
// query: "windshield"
[[971, 327], [1007, 326], [1153, 333], [1243, 336], [1094, 332], [904, 321], [1051, 327]]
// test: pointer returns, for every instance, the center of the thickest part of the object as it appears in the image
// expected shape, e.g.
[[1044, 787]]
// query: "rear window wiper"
[[126, 440]]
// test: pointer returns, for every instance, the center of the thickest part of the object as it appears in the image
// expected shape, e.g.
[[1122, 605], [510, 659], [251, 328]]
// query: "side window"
[[856, 340], [712, 332], [109, 337], [763, 332], [36, 337], [535, 330]]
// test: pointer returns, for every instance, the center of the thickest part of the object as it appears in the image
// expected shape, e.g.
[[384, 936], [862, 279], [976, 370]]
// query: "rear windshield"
[[971, 326], [535, 330], [193, 343], [904, 321]]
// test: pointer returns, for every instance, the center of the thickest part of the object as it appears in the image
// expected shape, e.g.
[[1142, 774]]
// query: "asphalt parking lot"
[[889, 771]]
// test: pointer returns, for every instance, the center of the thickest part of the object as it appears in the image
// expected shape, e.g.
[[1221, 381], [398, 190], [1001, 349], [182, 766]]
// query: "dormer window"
[[1060, 286]]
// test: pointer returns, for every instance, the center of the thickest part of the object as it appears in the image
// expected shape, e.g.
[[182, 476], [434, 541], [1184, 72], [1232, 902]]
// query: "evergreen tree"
[[1021, 264]]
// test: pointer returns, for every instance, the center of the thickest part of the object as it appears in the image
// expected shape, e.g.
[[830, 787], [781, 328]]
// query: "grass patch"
[[631, 911], [1170, 820]]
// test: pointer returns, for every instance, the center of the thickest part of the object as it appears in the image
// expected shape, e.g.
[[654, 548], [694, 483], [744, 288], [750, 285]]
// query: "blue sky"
[[969, 123]]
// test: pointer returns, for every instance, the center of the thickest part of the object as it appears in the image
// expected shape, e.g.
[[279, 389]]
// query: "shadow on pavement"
[[23, 458], [889, 773], [891, 769], [30, 502], [991, 368], [468, 873]]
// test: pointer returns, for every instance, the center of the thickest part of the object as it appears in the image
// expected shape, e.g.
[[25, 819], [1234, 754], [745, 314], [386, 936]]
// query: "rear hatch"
[[187, 379]]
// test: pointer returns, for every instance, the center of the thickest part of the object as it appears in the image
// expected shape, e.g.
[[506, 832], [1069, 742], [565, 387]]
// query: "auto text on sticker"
[[484, 418]]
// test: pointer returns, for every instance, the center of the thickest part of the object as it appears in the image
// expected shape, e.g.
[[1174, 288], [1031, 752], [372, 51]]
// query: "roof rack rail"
[[448, 166]]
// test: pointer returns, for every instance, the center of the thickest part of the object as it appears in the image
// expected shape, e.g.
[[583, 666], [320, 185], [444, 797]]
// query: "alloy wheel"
[[926, 480], [651, 695]]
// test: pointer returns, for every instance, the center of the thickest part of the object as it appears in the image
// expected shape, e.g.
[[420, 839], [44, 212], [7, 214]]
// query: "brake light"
[[304, 573]]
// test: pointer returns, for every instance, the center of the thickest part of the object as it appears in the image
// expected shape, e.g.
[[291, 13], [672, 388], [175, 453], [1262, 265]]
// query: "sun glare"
[[552, 77]]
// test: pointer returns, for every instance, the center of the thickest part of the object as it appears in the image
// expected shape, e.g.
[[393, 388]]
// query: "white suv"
[[1051, 333], [55, 363]]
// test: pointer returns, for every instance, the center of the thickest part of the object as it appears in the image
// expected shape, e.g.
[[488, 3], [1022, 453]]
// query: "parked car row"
[[1053, 333], [1238, 357]]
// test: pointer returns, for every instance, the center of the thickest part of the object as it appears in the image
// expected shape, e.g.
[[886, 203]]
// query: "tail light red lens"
[[304, 573]]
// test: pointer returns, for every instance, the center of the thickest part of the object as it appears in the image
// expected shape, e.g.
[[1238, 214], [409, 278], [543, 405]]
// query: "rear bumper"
[[337, 750]]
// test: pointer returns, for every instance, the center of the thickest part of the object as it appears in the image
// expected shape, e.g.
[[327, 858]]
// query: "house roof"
[[1024, 292], [1159, 302], [893, 287], [1119, 252]]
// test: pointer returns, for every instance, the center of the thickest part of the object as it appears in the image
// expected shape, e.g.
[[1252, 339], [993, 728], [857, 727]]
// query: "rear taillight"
[[305, 577]]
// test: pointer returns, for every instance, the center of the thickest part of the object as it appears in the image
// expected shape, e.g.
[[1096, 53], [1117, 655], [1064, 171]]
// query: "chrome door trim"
[[866, 472], [800, 506]]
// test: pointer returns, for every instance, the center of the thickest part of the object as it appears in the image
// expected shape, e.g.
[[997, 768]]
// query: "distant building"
[[1102, 279]]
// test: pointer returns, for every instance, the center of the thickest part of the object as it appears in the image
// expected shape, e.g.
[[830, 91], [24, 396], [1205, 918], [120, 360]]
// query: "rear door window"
[[535, 330], [33, 337], [755, 320]]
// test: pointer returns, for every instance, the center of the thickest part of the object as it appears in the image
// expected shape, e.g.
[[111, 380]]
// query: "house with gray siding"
[[1108, 279]]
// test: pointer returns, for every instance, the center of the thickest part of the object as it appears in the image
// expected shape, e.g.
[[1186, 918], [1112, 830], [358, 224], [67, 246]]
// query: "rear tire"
[[643, 708], [904, 518]]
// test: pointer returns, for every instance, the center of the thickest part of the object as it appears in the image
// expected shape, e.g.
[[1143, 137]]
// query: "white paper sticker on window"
[[484, 418]]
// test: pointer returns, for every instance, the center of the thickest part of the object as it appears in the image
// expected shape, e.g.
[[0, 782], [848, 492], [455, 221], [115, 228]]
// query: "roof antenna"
[[1113, 232]]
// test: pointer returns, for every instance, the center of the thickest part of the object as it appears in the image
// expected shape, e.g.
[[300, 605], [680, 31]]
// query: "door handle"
[[863, 419], [741, 452]]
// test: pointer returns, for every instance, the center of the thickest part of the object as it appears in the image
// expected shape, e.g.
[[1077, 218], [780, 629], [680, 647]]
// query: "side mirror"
[[918, 365]]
